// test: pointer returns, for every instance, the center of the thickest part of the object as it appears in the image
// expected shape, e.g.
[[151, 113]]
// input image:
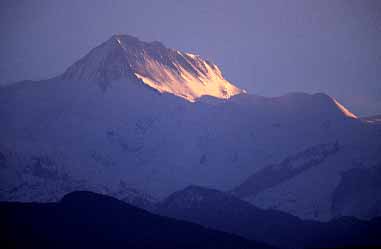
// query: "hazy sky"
[[268, 47]]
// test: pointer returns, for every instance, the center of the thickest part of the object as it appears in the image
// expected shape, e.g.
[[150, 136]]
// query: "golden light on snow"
[[344, 110], [185, 84]]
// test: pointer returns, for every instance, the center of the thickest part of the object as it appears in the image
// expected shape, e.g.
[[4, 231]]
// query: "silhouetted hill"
[[89, 220], [225, 212]]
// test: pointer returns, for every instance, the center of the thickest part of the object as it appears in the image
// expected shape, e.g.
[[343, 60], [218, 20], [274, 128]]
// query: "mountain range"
[[139, 121]]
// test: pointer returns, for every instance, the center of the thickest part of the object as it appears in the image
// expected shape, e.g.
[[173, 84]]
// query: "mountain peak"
[[166, 70]]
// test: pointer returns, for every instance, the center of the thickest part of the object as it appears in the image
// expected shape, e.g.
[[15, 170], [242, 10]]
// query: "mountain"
[[89, 220], [166, 70], [99, 125], [227, 213]]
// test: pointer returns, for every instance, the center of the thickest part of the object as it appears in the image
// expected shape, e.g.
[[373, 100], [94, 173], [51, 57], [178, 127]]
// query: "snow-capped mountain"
[[166, 70], [99, 124]]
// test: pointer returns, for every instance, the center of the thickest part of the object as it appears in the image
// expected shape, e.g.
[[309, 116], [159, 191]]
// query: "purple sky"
[[267, 47]]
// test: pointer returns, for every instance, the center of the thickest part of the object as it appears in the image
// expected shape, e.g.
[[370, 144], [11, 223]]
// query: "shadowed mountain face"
[[101, 124], [88, 220], [358, 193], [224, 212]]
